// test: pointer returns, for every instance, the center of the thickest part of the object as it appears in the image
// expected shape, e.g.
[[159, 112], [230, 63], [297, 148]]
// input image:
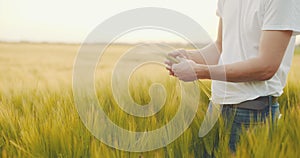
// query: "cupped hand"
[[185, 70], [174, 54]]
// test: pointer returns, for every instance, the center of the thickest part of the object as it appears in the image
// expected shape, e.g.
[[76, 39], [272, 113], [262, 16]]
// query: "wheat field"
[[38, 117]]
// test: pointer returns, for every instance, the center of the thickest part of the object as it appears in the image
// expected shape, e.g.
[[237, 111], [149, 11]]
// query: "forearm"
[[208, 55], [263, 67], [254, 69]]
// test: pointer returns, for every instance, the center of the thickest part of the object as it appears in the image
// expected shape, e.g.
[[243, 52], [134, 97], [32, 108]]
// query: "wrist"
[[202, 71]]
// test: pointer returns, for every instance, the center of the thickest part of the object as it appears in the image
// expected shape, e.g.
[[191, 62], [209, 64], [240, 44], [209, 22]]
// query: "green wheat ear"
[[172, 59]]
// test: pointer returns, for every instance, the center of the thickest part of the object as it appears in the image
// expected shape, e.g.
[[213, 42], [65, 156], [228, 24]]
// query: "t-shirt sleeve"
[[282, 15], [219, 11]]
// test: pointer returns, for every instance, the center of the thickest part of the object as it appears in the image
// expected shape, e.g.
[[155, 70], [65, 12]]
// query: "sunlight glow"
[[70, 21]]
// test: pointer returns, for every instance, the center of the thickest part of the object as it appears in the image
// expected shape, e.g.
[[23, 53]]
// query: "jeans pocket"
[[247, 116]]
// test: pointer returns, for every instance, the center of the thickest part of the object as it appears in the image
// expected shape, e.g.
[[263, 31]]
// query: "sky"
[[70, 21]]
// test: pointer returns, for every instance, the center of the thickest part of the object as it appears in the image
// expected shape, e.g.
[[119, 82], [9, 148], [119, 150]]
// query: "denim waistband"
[[259, 103]]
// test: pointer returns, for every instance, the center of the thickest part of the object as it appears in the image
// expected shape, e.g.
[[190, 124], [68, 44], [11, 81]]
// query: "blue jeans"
[[236, 118]]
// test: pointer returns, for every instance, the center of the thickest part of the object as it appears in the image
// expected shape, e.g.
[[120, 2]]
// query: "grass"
[[297, 49], [38, 117]]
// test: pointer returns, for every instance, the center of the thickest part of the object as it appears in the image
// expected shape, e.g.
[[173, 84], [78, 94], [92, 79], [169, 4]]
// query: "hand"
[[177, 53], [185, 70]]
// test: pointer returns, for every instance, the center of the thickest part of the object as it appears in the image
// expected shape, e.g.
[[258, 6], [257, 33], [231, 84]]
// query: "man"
[[249, 61]]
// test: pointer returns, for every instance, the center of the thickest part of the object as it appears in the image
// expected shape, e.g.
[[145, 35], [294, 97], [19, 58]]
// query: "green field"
[[297, 49], [38, 117]]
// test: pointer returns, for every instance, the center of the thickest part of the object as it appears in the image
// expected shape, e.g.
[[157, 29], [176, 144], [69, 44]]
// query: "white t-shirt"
[[243, 22]]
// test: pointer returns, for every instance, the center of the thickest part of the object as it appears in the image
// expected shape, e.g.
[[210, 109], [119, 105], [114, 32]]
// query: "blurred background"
[[69, 21]]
